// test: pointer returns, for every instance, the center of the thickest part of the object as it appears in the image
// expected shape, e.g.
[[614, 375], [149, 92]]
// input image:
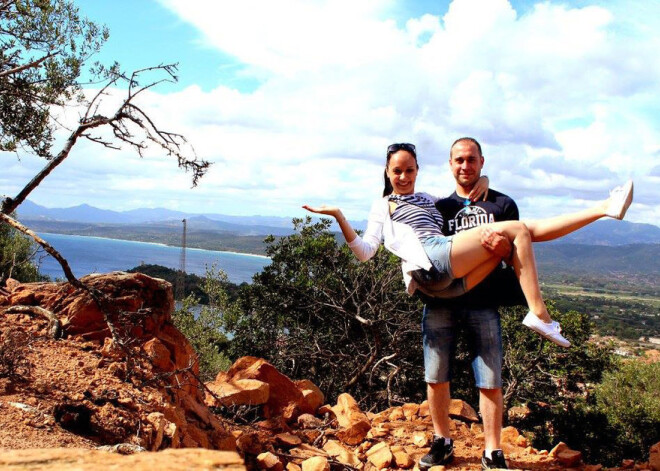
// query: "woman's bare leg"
[[467, 255], [542, 230]]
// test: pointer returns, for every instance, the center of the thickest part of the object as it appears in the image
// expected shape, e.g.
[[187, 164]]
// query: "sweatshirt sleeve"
[[366, 246]]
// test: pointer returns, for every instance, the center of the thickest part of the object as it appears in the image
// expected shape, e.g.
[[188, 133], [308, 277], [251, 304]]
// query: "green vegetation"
[[16, 256], [203, 325], [43, 47]]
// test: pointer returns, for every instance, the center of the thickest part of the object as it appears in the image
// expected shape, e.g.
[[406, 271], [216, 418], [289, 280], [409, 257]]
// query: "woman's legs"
[[467, 255]]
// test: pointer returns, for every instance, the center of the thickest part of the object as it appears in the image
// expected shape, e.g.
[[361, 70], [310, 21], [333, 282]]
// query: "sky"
[[296, 101]]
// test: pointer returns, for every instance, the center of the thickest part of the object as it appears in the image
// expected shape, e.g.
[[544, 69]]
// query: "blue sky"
[[295, 102]]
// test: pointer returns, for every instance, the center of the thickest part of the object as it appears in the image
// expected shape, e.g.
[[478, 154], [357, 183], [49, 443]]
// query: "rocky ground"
[[84, 391]]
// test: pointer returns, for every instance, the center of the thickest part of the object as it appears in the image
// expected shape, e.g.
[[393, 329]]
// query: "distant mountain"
[[607, 232]]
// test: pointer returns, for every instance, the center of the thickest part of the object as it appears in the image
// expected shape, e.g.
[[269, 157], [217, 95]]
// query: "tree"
[[202, 325], [43, 48], [316, 312], [16, 256]]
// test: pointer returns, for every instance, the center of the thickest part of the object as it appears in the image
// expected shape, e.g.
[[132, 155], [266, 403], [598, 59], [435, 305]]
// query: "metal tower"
[[181, 275]]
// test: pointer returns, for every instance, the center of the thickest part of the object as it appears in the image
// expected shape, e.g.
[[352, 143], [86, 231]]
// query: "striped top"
[[418, 212]]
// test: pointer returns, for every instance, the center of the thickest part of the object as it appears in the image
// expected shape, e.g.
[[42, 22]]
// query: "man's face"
[[466, 163]]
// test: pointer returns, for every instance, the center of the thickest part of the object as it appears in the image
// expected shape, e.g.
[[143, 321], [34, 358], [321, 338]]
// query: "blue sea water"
[[98, 255]]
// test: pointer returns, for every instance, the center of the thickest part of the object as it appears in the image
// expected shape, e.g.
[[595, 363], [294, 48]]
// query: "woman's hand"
[[480, 190], [324, 209]]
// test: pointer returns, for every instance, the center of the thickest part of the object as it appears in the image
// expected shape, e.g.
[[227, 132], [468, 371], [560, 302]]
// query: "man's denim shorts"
[[439, 282], [484, 335]]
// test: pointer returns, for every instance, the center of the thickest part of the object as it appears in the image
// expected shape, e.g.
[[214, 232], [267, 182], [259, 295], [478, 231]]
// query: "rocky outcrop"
[[65, 459], [142, 391]]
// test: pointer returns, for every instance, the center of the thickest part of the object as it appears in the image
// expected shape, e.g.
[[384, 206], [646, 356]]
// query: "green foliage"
[[43, 47], [203, 325], [194, 285], [317, 312], [16, 252], [630, 399]]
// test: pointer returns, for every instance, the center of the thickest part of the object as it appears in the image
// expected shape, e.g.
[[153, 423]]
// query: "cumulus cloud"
[[562, 98]]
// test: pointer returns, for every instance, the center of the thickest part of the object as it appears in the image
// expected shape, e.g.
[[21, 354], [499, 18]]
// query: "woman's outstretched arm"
[[346, 228]]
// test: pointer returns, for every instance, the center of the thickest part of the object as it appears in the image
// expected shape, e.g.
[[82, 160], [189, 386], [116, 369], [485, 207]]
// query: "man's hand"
[[496, 242]]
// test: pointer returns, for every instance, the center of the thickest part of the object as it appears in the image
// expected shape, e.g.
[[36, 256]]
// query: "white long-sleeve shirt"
[[398, 238]]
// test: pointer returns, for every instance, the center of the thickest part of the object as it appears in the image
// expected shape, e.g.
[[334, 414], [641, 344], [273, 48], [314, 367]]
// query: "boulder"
[[510, 435], [285, 398], [238, 392], [654, 457], [353, 423], [313, 397], [380, 455], [316, 463], [462, 410]]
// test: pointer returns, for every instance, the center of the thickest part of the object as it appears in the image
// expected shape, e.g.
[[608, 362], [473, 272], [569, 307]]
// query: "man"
[[475, 312]]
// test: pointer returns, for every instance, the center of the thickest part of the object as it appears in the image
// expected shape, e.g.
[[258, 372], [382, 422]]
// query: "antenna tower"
[[181, 275]]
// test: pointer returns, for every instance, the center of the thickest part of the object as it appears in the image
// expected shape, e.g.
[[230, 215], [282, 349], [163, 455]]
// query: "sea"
[[100, 255]]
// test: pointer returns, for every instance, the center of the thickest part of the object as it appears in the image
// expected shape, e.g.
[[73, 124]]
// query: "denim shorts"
[[439, 282], [483, 333]]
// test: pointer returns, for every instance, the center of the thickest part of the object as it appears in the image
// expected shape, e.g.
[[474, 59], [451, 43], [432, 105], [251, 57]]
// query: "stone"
[[462, 410], [396, 414], [410, 410], [238, 392], [342, 454], [158, 354], [437, 468], [269, 461], [291, 466], [570, 458], [403, 459], [518, 413], [380, 455], [424, 409], [521, 441], [421, 439], [158, 422], [593, 467], [312, 395], [654, 457], [287, 439], [561, 446], [249, 443], [353, 423], [627, 463], [316, 463], [510, 435], [65, 459], [285, 398], [308, 421]]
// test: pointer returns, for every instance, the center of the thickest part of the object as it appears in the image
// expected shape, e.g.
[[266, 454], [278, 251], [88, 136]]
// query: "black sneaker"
[[497, 460], [440, 453]]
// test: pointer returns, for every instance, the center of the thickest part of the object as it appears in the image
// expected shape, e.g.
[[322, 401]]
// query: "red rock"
[[285, 398], [308, 421], [510, 435], [462, 410], [316, 463], [410, 410], [380, 455], [627, 464], [287, 439], [353, 422], [396, 414], [561, 446], [158, 354], [313, 397], [11, 284], [341, 453], [424, 409], [569, 458], [269, 462], [237, 392], [654, 457]]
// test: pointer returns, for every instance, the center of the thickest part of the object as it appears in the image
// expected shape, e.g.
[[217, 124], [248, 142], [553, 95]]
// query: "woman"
[[411, 228]]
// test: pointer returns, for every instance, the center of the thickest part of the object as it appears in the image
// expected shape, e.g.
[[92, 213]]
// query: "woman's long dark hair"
[[391, 150]]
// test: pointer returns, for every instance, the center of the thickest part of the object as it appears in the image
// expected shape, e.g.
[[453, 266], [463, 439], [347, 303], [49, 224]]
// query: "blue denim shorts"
[[439, 282], [483, 332]]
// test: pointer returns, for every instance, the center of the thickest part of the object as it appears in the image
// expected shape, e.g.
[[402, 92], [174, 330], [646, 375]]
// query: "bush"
[[16, 254], [202, 324]]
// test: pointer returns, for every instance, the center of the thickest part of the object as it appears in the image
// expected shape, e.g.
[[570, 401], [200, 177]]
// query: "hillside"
[[85, 391]]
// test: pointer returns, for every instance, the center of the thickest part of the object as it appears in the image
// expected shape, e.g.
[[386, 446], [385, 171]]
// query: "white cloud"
[[561, 97]]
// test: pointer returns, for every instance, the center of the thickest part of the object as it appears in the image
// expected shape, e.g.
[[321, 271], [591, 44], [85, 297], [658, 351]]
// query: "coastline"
[[161, 244]]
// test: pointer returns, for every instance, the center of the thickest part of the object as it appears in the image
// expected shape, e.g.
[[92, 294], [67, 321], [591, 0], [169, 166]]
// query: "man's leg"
[[438, 397], [438, 329], [484, 330], [490, 405]]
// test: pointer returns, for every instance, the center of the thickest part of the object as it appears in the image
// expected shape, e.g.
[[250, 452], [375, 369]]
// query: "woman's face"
[[402, 172]]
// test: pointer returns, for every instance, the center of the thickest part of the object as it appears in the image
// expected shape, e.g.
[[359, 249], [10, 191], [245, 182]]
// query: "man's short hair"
[[469, 139]]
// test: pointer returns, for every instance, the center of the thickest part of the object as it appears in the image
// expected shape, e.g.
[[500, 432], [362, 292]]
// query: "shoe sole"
[[544, 335], [627, 203]]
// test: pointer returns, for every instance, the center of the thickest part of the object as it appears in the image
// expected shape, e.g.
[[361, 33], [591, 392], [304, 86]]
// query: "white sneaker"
[[620, 199], [550, 331]]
